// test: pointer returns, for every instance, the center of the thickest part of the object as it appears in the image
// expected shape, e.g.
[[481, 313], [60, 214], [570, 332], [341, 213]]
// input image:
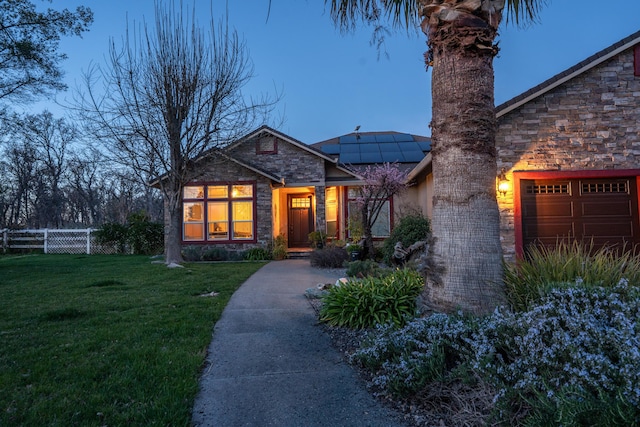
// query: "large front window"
[[229, 213]]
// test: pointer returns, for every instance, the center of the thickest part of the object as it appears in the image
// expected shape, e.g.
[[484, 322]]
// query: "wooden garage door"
[[604, 211]]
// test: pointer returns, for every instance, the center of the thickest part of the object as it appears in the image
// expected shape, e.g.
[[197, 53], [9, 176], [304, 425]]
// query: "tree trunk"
[[173, 224], [466, 255]]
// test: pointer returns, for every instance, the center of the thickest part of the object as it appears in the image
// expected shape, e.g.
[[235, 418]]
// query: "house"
[[267, 184], [568, 155]]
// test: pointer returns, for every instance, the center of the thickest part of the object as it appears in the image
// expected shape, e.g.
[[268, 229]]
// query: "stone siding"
[[293, 164], [591, 122]]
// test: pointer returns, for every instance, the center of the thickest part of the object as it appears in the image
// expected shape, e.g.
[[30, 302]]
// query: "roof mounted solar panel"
[[366, 138], [371, 157], [331, 149], [409, 146], [392, 156], [369, 148], [353, 158], [389, 146], [385, 137], [403, 137], [349, 148], [425, 145], [348, 139], [413, 156]]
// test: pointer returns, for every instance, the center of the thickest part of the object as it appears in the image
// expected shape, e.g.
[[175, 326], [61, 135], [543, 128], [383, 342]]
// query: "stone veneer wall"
[[294, 164], [591, 122]]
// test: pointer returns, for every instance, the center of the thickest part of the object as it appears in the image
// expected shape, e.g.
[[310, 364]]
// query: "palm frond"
[[524, 11]]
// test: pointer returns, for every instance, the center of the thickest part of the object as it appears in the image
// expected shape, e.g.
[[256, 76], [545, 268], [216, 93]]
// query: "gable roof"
[[266, 129], [568, 74], [365, 148]]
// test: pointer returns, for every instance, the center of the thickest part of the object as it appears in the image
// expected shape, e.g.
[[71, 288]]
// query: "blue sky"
[[331, 82]]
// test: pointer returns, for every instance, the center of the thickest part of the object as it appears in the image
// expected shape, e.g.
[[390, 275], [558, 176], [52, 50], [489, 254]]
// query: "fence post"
[[88, 241], [46, 239]]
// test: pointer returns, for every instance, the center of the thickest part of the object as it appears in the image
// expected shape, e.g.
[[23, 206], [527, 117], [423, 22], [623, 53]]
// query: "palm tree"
[[465, 255]]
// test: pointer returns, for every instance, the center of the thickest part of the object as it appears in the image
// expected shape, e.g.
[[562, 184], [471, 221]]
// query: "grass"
[[106, 340]]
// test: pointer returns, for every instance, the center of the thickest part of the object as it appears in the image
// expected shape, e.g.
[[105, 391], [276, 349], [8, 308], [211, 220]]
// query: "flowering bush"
[[572, 359]]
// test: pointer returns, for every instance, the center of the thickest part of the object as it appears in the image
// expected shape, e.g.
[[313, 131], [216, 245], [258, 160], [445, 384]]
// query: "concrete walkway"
[[269, 364]]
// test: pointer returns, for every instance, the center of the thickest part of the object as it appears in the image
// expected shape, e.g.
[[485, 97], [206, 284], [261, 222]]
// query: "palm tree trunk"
[[466, 255]]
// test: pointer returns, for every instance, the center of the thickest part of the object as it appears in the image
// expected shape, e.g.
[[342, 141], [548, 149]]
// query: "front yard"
[[106, 340]]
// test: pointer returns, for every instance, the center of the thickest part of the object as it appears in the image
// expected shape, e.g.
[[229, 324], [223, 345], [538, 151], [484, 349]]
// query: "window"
[[331, 213], [381, 228], [229, 213]]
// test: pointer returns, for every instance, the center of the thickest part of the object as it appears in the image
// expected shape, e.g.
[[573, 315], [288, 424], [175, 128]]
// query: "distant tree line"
[[51, 177]]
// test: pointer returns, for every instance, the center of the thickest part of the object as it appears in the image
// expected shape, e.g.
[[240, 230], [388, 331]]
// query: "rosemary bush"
[[573, 359]]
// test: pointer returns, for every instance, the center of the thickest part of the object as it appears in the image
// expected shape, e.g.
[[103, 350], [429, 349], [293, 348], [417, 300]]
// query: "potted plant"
[[317, 239], [354, 251]]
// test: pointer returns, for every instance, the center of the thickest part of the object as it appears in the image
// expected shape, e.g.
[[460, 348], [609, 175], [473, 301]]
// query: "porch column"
[[321, 224]]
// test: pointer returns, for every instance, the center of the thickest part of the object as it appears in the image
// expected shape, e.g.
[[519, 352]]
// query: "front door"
[[300, 208]]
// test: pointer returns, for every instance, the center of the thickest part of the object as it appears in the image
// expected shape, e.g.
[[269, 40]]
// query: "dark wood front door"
[[300, 219], [599, 211]]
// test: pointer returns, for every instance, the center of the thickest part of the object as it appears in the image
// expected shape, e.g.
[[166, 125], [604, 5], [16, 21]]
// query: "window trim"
[[229, 199]]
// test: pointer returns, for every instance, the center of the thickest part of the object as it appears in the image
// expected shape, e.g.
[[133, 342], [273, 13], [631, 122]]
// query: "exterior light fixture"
[[503, 183]]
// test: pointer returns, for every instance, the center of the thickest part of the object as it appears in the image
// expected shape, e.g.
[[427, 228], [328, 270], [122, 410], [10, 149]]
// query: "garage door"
[[604, 211]]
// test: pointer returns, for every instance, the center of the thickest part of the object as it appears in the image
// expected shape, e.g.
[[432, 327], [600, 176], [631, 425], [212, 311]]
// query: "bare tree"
[[50, 139], [170, 94]]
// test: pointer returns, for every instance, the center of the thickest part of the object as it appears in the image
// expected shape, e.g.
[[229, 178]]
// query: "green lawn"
[[106, 340]]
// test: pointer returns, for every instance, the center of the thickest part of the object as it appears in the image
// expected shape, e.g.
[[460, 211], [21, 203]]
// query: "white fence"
[[76, 241]]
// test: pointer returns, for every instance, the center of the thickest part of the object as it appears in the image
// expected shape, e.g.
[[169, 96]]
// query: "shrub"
[[138, 236], [278, 247], [329, 257], [365, 268], [257, 254], [566, 265], [371, 301], [144, 236], [192, 253], [572, 359], [113, 234], [215, 254], [576, 347], [409, 230], [424, 350]]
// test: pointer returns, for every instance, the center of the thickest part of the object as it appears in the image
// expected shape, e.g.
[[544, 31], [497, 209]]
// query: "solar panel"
[[425, 145], [331, 149], [349, 148], [386, 137], [366, 138], [370, 157], [347, 139], [403, 137], [392, 156], [409, 146], [389, 146], [347, 158], [413, 156], [369, 148]]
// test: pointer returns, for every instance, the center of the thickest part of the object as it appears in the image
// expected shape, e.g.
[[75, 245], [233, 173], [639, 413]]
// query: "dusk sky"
[[332, 82]]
